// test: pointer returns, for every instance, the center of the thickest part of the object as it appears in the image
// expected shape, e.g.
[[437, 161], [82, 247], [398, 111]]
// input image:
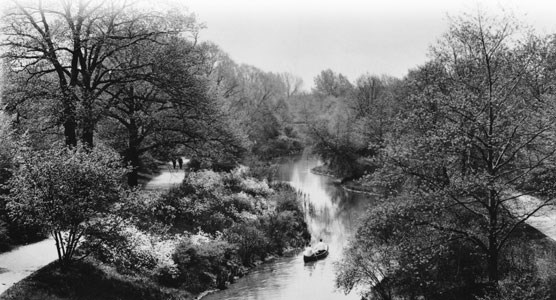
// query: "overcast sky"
[[351, 37]]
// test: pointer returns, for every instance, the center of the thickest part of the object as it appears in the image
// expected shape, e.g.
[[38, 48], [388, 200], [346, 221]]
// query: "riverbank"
[[268, 261], [89, 279], [92, 279], [230, 224], [331, 214], [323, 170], [347, 184]]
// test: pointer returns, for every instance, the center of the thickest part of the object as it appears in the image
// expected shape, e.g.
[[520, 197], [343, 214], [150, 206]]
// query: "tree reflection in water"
[[331, 214]]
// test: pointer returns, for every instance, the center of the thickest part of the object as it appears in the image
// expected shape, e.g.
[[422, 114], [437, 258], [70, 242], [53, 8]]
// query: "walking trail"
[[543, 220], [168, 177], [22, 261]]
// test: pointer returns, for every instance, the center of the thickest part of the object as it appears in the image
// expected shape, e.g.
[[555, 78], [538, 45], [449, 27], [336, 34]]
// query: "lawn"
[[86, 280]]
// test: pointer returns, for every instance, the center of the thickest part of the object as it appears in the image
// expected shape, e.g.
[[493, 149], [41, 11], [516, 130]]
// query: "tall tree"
[[75, 41], [256, 103], [328, 83], [292, 83], [166, 104], [476, 134], [374, 102]]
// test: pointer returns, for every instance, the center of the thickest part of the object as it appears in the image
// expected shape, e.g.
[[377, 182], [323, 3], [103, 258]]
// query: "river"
[[332, 215]]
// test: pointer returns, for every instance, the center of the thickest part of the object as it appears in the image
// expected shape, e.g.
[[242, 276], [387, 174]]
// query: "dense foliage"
[[107, 79], [476, 134], [94, 93], [208, 230], [12, 231], [64, 191], [348, 123], [259, 106]]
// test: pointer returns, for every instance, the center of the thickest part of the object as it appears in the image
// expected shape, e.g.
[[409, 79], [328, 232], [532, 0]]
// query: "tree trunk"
[[132, 155], [88, 124], [493, 240], [87, 135], [493, 266], [69, 131], [69, 121], [133, 160]]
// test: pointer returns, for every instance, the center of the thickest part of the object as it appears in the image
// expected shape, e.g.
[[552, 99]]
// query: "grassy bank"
[[88, 280]]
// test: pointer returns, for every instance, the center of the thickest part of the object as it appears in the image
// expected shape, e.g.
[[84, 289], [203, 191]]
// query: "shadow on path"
[[22, 261]]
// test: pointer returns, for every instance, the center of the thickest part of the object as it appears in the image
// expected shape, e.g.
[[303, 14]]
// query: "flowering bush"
[[205, 265], [238, 220], [205, 180], [239, 180], [285, 229], [241, 202], [255, 187], [212, 201], [133, 250], [64, 190], [285, 226], [250, 239]]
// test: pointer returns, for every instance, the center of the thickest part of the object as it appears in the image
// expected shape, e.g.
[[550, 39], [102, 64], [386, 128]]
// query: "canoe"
[[316, 256]]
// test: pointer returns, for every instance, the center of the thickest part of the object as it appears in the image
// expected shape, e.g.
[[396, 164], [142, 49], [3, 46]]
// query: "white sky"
[[351, 37]]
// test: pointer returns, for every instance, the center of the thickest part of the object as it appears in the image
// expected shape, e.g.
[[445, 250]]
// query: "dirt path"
[[22, 261], [167, 178]]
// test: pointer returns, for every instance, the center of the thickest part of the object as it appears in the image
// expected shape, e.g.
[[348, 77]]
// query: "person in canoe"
[[320, 251], [320, 246], [308, 250]]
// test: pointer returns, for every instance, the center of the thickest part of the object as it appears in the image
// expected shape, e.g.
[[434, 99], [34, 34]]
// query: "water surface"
[[332, 215]]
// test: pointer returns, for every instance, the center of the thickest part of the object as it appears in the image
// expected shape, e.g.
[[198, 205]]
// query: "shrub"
[[251, 241], [286, 226], [526, 287], [212, 201], [241, 202], [205, 181], [11, 231], [205, 265], [63, 190], [5, 242], [244, 219], [240, 179], [22, 233], [255, 187], [131, 250], [262, 170], [286, 229], [194, 164]]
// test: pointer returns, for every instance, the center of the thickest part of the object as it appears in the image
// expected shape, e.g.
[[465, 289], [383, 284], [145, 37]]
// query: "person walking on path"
[[174, 163], [180, 162]]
